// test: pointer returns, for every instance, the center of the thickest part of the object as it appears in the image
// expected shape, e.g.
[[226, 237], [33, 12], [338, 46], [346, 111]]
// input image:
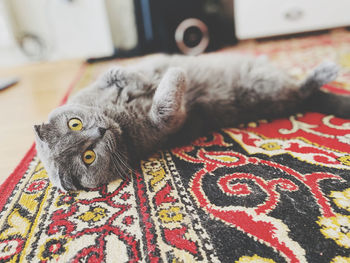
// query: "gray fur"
[[130, 112]]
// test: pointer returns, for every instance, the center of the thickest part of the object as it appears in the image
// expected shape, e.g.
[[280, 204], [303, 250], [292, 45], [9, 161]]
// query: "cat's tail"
[[320, 100]]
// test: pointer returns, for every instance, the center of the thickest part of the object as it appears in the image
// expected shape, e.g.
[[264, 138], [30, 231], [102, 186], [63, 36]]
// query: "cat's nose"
[[101, 130]]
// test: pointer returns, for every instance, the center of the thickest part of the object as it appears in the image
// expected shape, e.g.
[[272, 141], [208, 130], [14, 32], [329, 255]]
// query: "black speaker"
[[180, 26], [183, 26]]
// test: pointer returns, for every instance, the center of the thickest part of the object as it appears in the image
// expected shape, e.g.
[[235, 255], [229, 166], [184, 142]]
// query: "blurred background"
[[37, 30], [45, 43]]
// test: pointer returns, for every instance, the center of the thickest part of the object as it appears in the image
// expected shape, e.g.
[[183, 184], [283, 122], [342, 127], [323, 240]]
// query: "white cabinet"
[[263, 18], [56, 29]]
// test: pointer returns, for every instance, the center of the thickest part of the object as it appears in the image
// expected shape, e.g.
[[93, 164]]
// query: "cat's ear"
[[43, 132], [168, 105], [38, 133]]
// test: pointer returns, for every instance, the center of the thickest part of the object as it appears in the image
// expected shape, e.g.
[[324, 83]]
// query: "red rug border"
[[7, 187]]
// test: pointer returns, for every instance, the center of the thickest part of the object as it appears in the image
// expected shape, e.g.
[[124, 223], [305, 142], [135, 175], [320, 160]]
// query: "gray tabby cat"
[[130, 112]]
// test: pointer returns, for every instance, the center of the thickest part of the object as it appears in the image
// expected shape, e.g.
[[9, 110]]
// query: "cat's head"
[[81, 148]]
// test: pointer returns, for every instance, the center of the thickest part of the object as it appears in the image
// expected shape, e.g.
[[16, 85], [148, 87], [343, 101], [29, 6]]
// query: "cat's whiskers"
[[121, 166], [122, 158], [118, 160], [122, 155]]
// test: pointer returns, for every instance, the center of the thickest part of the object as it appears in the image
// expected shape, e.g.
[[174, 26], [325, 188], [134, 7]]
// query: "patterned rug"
[[275, 191]]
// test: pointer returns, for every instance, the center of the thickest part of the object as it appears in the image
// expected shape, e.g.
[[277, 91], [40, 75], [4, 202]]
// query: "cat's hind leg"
[[322, 100], [321, 75]]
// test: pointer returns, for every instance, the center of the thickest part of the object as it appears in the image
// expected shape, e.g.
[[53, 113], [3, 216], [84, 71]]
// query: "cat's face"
[[81, 148]]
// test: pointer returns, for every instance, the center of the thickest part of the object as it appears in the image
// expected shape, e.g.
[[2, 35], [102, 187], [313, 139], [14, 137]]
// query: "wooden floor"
[[40, 89]]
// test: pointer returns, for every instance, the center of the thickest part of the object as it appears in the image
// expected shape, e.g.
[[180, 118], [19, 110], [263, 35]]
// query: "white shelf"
[[263, 18]]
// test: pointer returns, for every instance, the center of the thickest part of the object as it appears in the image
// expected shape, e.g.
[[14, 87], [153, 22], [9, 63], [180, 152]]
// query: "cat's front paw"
[[114, 77]]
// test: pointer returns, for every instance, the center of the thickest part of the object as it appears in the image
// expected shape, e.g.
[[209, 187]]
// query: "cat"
[[130, 112]]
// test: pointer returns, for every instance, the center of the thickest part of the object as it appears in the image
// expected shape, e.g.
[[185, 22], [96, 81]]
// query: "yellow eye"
[[89, 157], [75, 124]]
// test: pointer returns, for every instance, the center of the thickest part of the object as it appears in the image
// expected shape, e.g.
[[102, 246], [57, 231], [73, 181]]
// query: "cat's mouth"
[[76, 183]]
